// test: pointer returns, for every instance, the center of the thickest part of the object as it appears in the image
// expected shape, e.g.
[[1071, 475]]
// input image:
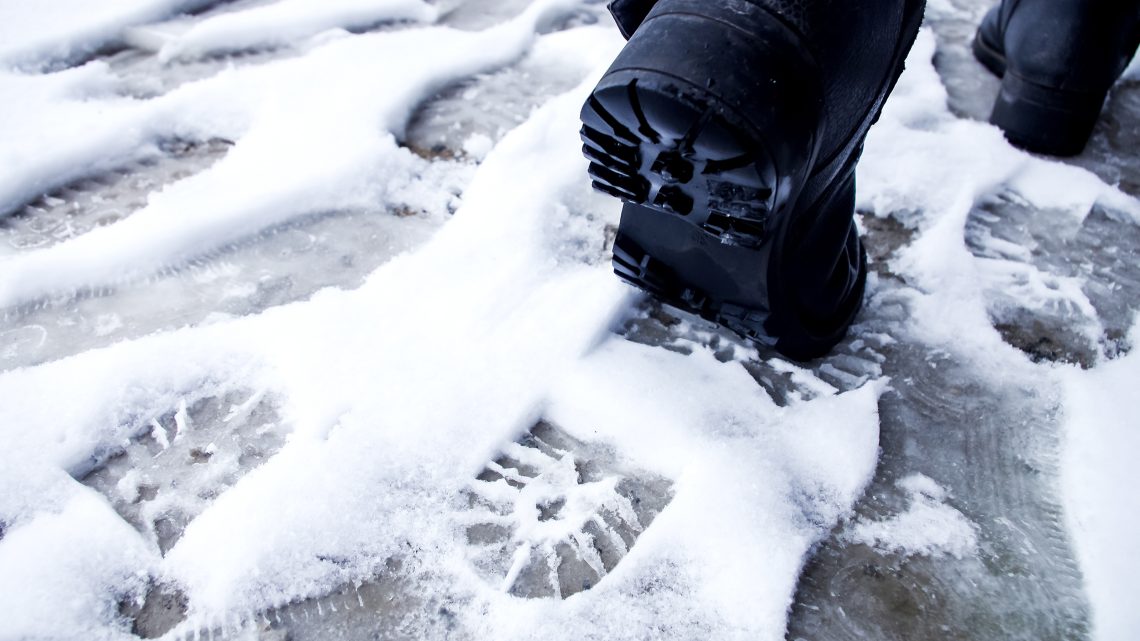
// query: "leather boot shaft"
[[851, 43], [1070, 45], [1057, 60]]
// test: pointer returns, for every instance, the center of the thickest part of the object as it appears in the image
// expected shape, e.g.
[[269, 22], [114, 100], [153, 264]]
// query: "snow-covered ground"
[[308, 331]]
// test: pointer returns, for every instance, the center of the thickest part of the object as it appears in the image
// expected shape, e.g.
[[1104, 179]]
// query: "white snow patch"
[[58, 127], [63, 572], [1133, 70], [33, 33], [929, 527], [477, 146], [288, 21], [1099, 477]]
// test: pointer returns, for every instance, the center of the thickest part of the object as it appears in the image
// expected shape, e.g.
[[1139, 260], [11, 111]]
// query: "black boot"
[[1057, 60], [731, 129]]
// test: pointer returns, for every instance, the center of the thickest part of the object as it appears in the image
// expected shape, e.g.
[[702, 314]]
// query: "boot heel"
[[724, 155], [1045, 120], [798, 294], [817, 275]]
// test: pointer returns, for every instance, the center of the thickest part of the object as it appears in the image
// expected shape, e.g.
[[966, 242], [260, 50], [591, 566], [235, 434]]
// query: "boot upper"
[[1072, 45]]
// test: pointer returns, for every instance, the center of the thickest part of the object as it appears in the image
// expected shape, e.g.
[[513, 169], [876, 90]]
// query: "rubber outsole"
[[677, 156]]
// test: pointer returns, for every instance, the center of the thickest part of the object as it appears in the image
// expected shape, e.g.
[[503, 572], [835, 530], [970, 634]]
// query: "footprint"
[[104, 198], [552, 515], [279, 265], [1059, 288], [465, 119], [855, 361], [145, 73], [387, 606], [184, 459]]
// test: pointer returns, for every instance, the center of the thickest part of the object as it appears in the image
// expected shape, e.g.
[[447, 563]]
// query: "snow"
[[972, 162], [929, 527], [443, 355], [60, 567], [33, 34], [285, 22], [395, 408], [1101, 440], [389, 398], [347, 105], [477, 146]]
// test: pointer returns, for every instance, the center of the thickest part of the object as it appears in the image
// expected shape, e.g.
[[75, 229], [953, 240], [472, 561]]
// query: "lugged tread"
[[653, 150]]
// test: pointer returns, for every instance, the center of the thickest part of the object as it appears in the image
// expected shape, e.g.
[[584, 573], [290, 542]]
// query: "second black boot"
[[1057, 60], [731, 129]]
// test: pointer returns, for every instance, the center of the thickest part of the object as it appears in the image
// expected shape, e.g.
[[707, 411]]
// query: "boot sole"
[[702, 188], [709, 148], [698, 224], [669, 150], [698, 191]]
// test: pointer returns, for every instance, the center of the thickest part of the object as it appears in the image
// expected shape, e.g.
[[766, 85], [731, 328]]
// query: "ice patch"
[[929, 527]]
